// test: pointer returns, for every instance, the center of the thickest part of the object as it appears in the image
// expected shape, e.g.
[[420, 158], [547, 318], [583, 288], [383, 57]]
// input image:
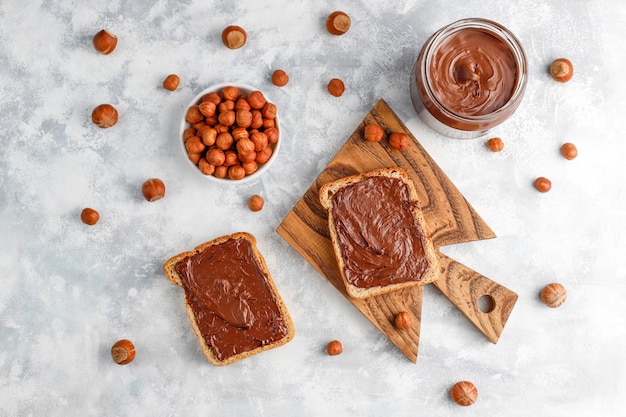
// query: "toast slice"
[[232, 302], [378, 232]]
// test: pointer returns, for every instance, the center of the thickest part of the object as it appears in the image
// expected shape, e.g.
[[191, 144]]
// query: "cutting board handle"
[[464, 287]]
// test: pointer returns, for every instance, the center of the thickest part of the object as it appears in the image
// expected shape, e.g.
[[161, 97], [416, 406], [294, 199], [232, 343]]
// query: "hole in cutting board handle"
[[486, 303]]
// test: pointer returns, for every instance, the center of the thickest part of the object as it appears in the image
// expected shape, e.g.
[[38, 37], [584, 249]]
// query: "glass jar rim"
[[494, 29]]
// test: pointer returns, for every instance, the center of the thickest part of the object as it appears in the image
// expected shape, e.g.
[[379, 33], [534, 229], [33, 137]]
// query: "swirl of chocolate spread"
[[380, 239], [473, 72], [228, 292]]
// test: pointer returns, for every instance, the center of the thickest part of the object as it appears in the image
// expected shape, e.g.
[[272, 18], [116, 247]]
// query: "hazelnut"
[[153, 189], [250, 167], [211, 97], [255, 203], [194, 157], [242, 104], [89, 216], [224, 140], [247, 157], [236, 172], [221, 171], [495, 144], [243, 118], [280, 78], [193, 114], [230, 93], [188, 133], [398, 140], [264, 155], [226, 118], [171, 82], [256, 100], [104, 42], [234, 37], [569, 151], [207, 108], [334, 348], [257, 119], [338, 23], [272, 134], [561, 70], [205, 167], [464, 393], [260, 141], [245, 145], [208, 136], [543, 185], [403, 320], [373, 133], [269, 111], [123, 352], [553, 295], [336, 87], [104, 116], [194, 145], [216, 157]]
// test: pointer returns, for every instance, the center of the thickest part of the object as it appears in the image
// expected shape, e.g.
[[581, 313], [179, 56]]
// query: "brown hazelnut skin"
[[373, 133], [561, 70], [234, 37], [336, 87], [171, 82], [543, 185], [569, 151], [256, 202], [104, 42], [464, 393], [280, 78], [153, 189], [338, 23], [256, 100], [104, 116], [334, 348], [236, 172], [89, 216], [553, 295], [123, 352], [403, 320], [495, 144], [398, 140]]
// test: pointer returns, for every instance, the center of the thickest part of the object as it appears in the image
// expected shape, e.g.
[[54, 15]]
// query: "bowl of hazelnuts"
[[230, 133]]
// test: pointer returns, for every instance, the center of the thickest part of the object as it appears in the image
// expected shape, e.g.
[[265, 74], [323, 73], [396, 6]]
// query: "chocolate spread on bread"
[[233, 304], [380, 239]]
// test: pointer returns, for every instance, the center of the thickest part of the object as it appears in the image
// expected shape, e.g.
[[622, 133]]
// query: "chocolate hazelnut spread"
[[234, 306], [470, 76], [473, 72], [380, 239]]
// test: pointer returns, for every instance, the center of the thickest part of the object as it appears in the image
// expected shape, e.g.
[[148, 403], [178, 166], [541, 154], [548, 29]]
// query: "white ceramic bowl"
[[243, 89]]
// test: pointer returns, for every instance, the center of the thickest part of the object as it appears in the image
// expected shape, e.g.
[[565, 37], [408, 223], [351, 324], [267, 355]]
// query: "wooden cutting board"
[[449, 218]]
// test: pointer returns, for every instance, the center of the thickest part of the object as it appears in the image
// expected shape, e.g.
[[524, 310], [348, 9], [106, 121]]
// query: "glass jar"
[[469, 77]]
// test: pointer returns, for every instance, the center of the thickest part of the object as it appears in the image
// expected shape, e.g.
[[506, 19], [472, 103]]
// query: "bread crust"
[[170, 272], [326, 193]]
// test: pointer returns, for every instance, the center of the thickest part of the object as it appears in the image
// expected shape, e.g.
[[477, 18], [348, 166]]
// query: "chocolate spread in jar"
[[473, 72], [380, 239], [233, 304]]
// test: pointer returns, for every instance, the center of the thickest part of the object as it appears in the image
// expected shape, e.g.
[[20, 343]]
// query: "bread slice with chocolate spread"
[[378, 232], [231, 300]]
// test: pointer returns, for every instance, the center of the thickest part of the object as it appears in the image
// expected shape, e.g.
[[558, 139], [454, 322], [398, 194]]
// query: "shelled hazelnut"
[[123, 352], [104, 116], [89, 216], [569, 151], [553, 295], [464, 393], [495, 144], [280, 78], [255, 203], [373, 133], [543, 185], [334, 348], [336, 87], [403, 320], [171, 82], [398, 140], [104, 42], [153, 189]]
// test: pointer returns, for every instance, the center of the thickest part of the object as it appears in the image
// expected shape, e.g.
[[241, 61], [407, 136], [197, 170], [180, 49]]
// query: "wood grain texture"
[[450, 219]]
